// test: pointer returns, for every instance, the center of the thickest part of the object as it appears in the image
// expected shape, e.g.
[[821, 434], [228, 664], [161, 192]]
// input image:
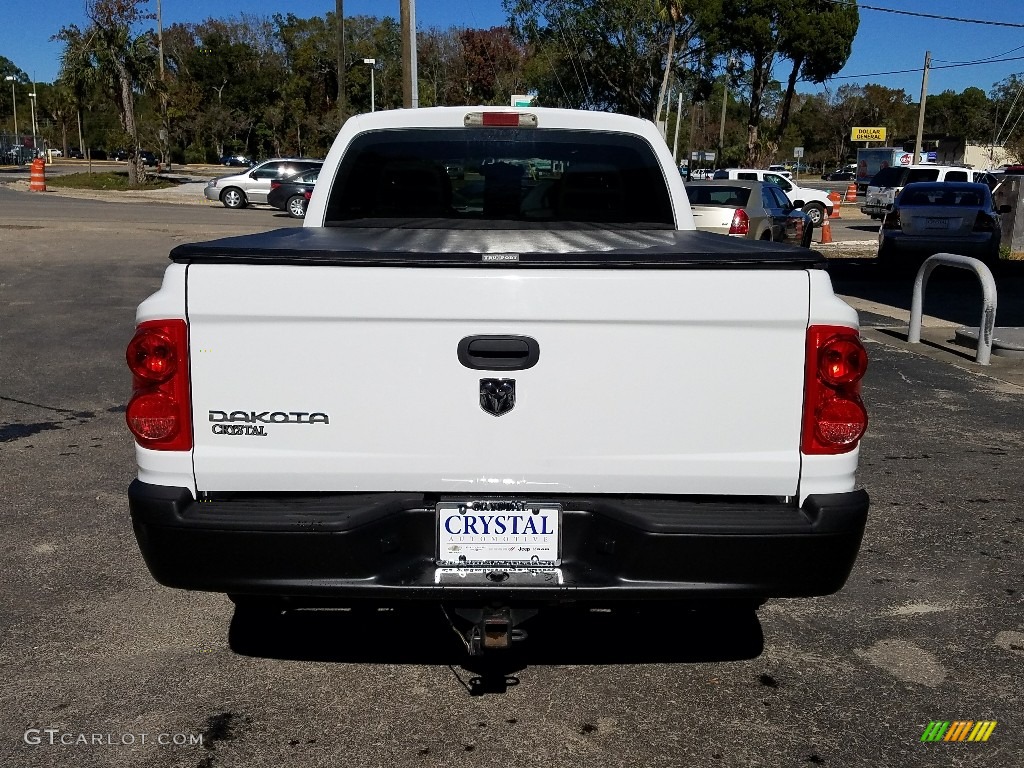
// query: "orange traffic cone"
[[837, 202], [826, 231], [851, 193]]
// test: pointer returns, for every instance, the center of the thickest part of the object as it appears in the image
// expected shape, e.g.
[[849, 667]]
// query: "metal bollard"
[[986, 328]]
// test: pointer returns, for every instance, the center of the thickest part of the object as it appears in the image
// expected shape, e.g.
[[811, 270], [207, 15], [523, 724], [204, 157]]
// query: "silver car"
[[253, 184], [756, 210], [941, 217]]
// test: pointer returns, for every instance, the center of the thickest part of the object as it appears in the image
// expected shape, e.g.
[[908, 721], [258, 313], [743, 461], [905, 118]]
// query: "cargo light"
[[834, 417], [500, 120], [159, 411]]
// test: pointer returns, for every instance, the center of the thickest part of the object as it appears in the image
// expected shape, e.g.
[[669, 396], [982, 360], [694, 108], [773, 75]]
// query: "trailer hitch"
[[492, 629]]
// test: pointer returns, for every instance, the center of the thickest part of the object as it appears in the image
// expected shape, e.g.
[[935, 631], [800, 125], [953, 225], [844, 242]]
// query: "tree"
[[815, 36], [607, 54], [109, 52], [493, 65], [1008, 99]]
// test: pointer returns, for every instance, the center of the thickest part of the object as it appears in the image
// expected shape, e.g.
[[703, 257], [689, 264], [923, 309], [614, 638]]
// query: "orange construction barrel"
[[837, 201], [37, 176], [851, 193]]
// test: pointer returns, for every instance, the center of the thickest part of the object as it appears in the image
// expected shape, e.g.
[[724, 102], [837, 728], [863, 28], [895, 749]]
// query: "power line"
[[990, 58], [920, 69], [929, 15]]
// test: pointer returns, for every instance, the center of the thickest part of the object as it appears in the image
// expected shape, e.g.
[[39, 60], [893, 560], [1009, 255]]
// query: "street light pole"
[[35, 146], [14, 100], [373, 97]]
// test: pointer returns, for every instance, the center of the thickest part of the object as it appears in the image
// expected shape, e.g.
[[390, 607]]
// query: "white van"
[[889, 182], [813, 202]]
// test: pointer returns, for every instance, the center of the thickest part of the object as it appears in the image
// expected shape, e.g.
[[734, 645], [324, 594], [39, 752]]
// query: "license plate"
[[936, 224], [484, 533]]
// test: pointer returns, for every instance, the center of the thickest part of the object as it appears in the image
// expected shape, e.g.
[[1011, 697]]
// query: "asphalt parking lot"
[[930, 626]]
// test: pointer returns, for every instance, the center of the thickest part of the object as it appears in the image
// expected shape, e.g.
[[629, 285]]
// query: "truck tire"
[[233, 197], [816, 211], [887, 257]]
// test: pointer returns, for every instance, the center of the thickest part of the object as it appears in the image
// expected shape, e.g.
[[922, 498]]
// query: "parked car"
[[236, 161], [756, 210], [76, 154], [291, 195], [148, 158], [887, 183], [56, 153], [814, 202], [941, 217], [840, 176], [253, 185]]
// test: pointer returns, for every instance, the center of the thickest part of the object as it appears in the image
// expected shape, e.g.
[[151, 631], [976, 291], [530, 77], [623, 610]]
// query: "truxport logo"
[[958, 730]]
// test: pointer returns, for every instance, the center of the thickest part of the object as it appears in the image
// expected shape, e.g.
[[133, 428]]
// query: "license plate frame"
[[516, 534], [936, 223]]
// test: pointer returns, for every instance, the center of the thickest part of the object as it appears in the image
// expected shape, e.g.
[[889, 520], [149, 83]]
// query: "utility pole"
[[924, 98], [410, 84], [339, 13]]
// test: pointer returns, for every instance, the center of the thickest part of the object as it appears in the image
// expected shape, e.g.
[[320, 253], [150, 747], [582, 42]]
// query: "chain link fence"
[[13, 150]]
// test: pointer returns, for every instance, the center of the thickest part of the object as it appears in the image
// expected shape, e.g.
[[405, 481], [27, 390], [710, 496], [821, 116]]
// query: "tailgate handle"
[[499, 353]]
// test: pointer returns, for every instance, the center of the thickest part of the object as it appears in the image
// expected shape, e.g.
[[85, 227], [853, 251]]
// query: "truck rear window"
[[492, 174]]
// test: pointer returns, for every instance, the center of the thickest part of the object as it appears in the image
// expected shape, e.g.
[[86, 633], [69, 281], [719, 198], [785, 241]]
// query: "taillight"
[[307, 194], [892, 220], [834, 415], [740, 223], [159, 412], [984, 223]]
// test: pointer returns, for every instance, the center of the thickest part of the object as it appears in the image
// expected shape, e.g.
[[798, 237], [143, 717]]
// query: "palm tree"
[[669, 11], [109, 54]]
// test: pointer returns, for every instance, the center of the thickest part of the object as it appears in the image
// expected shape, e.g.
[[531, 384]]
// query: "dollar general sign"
[[867, 134]]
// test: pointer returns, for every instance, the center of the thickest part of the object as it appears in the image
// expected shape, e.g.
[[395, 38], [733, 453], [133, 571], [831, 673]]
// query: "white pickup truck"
[[524, 384]]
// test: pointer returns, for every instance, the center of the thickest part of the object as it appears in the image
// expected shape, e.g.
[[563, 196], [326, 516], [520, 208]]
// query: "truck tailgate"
[[326, 378]]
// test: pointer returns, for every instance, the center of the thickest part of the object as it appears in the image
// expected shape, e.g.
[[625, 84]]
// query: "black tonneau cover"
[[426, 246]]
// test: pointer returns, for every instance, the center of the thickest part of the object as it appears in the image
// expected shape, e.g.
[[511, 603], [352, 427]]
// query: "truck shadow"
[[952, 294], [557, 636]]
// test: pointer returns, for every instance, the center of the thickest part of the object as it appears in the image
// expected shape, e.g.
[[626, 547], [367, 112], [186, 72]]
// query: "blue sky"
[[885, 43]]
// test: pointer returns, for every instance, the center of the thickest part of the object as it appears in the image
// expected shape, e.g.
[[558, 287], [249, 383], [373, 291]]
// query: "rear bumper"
[[380, 546], [981, 246]]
